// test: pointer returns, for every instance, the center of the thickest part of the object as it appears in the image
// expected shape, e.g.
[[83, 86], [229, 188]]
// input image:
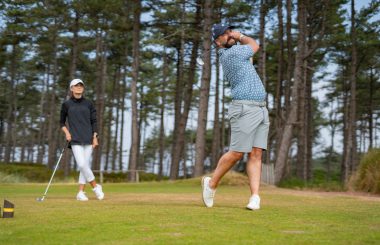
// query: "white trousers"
[[83, 157]]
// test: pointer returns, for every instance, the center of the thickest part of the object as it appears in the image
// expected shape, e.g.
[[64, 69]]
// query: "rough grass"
[[367, 177], [39, 173], [173, 213]]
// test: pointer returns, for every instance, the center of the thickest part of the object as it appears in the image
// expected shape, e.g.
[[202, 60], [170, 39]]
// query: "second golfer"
[[82, 135]]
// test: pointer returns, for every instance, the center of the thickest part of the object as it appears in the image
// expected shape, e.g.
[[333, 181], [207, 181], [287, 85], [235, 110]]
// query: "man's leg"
[[209, 184], [254, 174], [226, 162], [254, 169]]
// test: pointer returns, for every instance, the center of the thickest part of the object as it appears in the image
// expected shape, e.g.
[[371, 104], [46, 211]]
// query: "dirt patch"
[[360, 195]]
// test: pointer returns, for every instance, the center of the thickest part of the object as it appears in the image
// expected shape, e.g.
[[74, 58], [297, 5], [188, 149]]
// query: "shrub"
[[367, 177]]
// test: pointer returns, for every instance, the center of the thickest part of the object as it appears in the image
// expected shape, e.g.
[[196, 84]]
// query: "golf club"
[[41, 199], [200, 59]]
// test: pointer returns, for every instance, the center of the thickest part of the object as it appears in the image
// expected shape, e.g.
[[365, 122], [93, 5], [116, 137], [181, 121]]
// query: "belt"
[[250, 102]]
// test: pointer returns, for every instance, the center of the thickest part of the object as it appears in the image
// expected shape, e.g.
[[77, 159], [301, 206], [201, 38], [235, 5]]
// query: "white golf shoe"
[[254, 203], [207, 192], [81, 196], [98, 192]]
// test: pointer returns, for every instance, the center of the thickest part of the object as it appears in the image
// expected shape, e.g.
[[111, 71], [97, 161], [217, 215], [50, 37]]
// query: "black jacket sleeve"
[[63, 115], [93, 118]]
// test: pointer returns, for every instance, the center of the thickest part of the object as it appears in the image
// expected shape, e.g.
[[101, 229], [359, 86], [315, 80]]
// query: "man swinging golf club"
[[247, 113]]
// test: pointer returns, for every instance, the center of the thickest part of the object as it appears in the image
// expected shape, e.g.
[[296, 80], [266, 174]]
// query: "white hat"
[[75, 82]]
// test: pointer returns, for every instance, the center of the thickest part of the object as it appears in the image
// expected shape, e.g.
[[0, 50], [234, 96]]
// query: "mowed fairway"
[[173, 213]]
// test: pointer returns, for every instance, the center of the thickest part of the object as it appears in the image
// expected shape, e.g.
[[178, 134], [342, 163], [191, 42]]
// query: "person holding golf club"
[[82, 135], [247, 113]]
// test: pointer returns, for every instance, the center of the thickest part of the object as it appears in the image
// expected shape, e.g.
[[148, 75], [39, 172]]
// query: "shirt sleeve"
[[93, 118], [63, 115], [243, 51]]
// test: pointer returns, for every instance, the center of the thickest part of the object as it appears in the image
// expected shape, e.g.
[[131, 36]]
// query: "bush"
[[29, 172], [367, 177], [318, 182], [123, 177], [12, 178]]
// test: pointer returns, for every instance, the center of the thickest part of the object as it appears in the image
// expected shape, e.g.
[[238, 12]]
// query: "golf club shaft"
[[55, 169]]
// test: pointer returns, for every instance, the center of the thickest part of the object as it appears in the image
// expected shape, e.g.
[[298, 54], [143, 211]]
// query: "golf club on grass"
[[41, 199]]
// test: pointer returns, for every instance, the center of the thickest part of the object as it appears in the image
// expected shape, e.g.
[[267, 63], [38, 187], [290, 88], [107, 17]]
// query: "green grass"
[[173, 213]]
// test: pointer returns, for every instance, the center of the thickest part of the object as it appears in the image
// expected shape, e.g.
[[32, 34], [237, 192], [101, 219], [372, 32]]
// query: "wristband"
[[241, 36]]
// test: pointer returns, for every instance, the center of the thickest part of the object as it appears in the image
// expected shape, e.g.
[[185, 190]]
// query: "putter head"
[[40, 199], [200, 61]]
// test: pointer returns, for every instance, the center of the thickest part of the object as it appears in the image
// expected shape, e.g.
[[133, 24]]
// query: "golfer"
[[247, 113], [82, 135]]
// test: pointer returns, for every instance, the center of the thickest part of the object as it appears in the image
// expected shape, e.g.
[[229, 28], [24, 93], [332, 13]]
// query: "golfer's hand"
[[68, 137], [235, 35], [95, 142]]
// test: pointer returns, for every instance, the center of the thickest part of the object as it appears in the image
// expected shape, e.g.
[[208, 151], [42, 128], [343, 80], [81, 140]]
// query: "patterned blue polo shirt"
[[240, 73]]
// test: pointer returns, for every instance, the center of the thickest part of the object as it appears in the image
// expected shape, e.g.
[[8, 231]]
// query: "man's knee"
[[256, 154], [236, 155]]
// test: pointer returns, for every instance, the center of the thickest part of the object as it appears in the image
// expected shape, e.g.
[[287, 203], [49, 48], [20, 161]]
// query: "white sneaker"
[[98, 192], [254, 202], [81, 196], [207, 192]]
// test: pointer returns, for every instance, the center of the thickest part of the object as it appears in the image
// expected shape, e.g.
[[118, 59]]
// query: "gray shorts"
[[249, 125]]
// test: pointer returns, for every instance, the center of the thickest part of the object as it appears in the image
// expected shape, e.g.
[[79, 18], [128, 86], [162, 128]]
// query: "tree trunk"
[[298, 77], [10, 113], [301, 128], [289, 70], [23, 143], [278, 121], [52, 150], [200, 142], [124, 93], [67, 158], [107, 137], [114, 145], [140, 122], [370, 109], [262, 52], [161, 144], [101, 65], [135, 72], [350, 153], [115, 99], [179, 138], [122, 111], [176, 155], [280, 56], [223, 127], [215, 149], [309, 124], [332, 123]]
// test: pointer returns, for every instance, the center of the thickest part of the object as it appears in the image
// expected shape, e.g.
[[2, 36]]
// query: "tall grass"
[[367, 177], [12, 178]]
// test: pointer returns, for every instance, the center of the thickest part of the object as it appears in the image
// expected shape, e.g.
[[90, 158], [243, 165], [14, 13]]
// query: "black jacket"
[[81, 115]]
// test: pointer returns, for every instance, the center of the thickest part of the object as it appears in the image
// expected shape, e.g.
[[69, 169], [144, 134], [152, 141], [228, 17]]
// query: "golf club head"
[[200, 61], [40, 199]]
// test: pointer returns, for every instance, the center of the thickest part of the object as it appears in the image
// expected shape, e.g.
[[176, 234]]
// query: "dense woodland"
[[160, 111]]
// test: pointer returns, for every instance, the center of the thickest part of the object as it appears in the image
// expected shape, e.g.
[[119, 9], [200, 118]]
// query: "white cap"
[[75, 82]]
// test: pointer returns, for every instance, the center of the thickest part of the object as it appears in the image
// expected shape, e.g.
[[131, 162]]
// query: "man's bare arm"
[[245, 40]]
